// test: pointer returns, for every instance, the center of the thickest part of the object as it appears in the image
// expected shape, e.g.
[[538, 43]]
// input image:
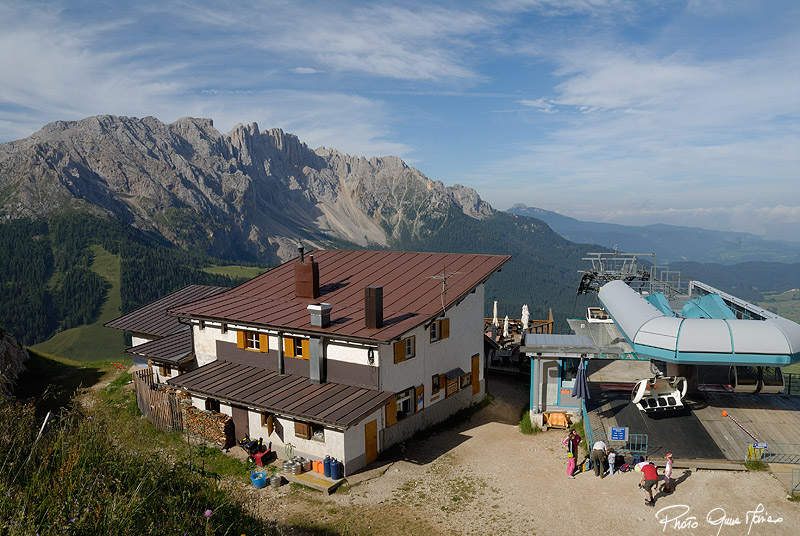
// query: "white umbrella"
[[505, 327], [526, 316], [495, 322]]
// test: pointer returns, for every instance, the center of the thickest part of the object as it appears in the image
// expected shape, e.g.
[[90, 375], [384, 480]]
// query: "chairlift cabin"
[[752, 379]]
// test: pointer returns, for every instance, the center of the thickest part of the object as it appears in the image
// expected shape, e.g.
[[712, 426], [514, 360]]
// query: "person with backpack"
[[571, 442]]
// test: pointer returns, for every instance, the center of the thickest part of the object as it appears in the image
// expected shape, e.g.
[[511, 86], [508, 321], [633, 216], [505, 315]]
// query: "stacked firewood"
[[216, 428]]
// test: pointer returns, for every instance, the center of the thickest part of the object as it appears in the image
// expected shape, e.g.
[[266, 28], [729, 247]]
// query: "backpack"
[[636, 459], [624, 468]]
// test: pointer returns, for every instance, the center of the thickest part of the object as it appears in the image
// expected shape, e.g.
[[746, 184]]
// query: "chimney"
[[320, 314], [373, 307], [306, 278], [316, 360]]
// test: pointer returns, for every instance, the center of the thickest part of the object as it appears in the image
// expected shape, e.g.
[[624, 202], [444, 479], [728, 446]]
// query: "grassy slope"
[[235, 271], [94, 342]]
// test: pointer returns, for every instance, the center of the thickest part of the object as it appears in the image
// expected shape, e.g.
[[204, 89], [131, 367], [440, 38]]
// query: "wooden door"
[[476, 374], [241, 422], [371, 441]]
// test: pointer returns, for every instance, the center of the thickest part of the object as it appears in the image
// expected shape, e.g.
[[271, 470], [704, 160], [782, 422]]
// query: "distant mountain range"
[[168, 200], [669, 242]]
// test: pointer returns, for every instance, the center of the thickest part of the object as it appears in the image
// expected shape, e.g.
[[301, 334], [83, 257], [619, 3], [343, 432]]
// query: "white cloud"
[[305, 70]]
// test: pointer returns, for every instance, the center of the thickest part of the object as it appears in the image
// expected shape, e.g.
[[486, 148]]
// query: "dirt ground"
[[486, 478]]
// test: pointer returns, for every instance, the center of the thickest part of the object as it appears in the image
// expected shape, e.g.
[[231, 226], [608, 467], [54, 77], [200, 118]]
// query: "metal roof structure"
[[153, 320], [175, 349], [772, 340], [331, 404], [417, 287]]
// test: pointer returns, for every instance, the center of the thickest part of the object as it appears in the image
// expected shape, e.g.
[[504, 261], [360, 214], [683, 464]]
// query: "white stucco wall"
[[205, 341], [333, 446], [348, 352], [465, 340], [138, 338], [162, 378]]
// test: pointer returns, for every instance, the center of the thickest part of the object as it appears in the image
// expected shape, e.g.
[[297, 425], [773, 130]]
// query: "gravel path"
[[487, 478]]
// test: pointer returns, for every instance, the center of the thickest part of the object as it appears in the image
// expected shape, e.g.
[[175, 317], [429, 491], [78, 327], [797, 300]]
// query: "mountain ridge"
[[246, 194]]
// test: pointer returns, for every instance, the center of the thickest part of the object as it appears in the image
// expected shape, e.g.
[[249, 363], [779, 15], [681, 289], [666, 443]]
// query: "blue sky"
[[633, 112]]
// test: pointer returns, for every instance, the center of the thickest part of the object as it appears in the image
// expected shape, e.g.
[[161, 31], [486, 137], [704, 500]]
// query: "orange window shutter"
[[391, 412], [399, 351], [306, 351], [418, 393], [288, 347], [476, 370], [301, 430], [445, 327], [240, 339], [263, 342]]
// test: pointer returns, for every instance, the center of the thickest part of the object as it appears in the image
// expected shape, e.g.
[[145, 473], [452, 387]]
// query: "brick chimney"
[[373, 307], [306, 278]]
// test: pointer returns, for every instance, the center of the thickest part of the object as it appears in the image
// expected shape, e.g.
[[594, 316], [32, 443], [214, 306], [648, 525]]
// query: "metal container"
[[297, 468], [276, 480], [306, 465], [287, 466]]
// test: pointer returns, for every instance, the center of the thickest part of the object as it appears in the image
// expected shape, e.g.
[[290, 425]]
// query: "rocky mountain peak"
[[249, 194]]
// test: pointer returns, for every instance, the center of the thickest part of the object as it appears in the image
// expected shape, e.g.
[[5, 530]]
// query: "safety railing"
[[795, 481], [773, 452], [791, 383], [635, 444]]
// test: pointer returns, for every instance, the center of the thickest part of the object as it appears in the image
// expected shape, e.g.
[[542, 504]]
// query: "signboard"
[[759, 445], [619, 433]]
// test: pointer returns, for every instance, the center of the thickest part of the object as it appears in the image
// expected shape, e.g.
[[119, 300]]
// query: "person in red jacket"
[[649, 479]]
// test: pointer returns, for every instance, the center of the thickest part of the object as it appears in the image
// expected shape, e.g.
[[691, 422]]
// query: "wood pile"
[[216, 428]]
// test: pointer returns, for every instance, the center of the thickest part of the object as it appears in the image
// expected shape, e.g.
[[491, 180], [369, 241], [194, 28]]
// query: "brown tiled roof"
[[412, 292], [175, 348], [152, 319], [332, 404]]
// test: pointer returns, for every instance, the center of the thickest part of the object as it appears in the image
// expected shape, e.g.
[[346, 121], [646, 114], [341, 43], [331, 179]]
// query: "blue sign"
[[619, 433], [759, 445]]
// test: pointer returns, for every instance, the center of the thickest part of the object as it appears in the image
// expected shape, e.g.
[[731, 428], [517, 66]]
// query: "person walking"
[[599, 451], [667, 474], [648, 480], [571, 442]]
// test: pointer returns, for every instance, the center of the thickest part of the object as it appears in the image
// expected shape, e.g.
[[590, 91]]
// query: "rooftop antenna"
[[444, 276]]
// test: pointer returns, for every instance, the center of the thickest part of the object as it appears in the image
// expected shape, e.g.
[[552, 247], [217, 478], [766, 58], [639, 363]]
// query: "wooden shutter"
[[240, 339], [419, 391], [306, 350], [399, 351], [270, 424], [288, 347], [302, 430], [263, 342], [391, 412], [476, 370], [444, 328]]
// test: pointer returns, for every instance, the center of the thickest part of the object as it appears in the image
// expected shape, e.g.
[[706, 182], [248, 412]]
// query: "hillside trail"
[[485, 477]]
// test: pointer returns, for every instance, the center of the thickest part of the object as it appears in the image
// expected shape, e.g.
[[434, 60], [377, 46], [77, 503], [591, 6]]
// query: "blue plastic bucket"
[[259, 480]]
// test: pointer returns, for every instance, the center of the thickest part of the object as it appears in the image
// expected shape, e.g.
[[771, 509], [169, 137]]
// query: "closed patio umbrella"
[[495, 322], [526, 316], [505, 327], [581, 387]]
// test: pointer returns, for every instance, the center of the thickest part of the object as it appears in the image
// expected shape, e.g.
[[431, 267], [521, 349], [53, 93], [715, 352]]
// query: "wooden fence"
[[160, 407]]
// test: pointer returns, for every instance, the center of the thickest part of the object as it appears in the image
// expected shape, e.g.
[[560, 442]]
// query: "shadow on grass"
[[51, 382]]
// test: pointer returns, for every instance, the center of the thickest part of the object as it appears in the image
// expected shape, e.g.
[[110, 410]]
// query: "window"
[[405, 349], [252, 340], [317, 432], [466, 379], [212, 404], [569, 371], [435, 383], [405, 403], [163, 370], [296, 347], [440, 329]]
